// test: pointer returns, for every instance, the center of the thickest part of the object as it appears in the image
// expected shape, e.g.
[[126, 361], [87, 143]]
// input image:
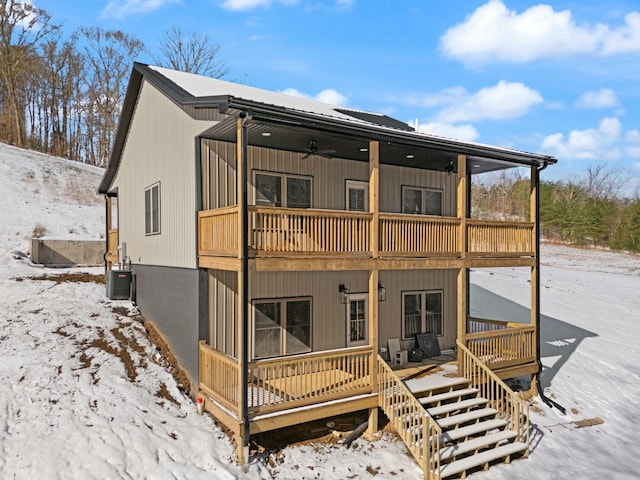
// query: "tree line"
[[589, 210], [62, 95]]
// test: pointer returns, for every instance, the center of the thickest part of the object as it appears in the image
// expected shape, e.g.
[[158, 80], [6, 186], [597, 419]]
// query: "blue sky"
[[558, 77]]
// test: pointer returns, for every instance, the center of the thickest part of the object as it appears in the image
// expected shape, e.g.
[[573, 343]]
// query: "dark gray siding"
[[171, 298]]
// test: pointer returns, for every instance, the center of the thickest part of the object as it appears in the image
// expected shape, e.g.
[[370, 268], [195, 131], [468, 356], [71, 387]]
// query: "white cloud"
[[331, 96], [493, 33], [601, 143], [625, 39], [328, 95], [244, 4], [603, 98], [124, 8], [250, 4], [505, 100], [459, 132]]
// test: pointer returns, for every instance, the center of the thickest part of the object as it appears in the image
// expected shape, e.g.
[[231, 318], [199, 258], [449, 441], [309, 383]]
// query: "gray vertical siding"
[[169, 297], [329, 315], [160, 147], [390, 312], [329, 177]]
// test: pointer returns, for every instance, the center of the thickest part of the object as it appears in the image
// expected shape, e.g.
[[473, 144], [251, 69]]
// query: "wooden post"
[[374, 207], [374, 195], [535, 292], [242, 339], [462, 281]]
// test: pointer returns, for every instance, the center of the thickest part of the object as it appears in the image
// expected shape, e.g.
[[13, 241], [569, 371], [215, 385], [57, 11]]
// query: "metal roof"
[[282, 121]]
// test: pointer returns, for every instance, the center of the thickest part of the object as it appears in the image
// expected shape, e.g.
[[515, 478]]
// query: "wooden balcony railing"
[[275, 231], [300, 230], [499, 238], [509, 405], [112, 246], [413, 235], [289, 382], [218, 231], [502, 344], [219, 376]]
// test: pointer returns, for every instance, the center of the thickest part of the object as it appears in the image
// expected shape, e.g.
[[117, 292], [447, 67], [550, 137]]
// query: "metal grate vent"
[[118, 284]]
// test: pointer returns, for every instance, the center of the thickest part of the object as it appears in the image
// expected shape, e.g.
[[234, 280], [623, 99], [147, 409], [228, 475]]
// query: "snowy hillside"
[[53, 195], [85, 394]]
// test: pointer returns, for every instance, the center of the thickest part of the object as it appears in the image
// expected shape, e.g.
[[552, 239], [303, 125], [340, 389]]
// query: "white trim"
[[423, 310], [283, 185], [358, 297], [357, 185], [283, 325], [423, 207]]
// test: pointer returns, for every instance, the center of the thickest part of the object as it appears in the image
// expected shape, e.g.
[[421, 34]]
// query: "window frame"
[[282, 325], [358, 297], [284, 200], [424, 191], [149, 227], [357, 185], [424, 311]]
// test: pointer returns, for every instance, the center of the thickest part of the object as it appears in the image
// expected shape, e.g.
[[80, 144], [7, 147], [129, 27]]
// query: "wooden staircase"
[[473, 434], [469, 424]]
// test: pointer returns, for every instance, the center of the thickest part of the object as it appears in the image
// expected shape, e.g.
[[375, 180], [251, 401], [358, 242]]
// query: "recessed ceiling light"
[[410, 156], [476, 165], [364, 149], [266, 134]]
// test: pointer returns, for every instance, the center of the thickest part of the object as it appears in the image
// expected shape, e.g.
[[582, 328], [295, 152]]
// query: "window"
[[152, 210], [281, 327], [422, 201], [357, 196], [357, 323], [421, 313], [280, 190]]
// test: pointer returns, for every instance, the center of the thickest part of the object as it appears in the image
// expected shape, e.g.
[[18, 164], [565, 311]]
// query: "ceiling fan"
[[313, 149]]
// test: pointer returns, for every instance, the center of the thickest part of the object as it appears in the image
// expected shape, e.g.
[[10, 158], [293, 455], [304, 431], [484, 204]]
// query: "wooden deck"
[[276, 232]]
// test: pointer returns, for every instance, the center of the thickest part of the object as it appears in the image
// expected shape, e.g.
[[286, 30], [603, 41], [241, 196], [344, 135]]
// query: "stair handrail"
[[422, 436], [501, 397]]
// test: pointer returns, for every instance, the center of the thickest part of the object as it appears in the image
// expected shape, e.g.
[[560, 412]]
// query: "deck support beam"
[[535, 269], [462, 210], [374, 207], [242, 444]]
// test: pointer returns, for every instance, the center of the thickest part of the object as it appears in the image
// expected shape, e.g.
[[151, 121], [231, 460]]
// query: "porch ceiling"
[[297, 138]]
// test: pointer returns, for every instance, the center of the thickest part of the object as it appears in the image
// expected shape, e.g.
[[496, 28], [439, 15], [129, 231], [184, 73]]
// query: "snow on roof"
[[200, 86]]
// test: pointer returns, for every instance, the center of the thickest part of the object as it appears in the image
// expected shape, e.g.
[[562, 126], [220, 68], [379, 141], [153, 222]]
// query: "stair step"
[[482, 458], [453, 407], [465, 417], [474, 429], [447, 453], [452, 384], [465, 392]]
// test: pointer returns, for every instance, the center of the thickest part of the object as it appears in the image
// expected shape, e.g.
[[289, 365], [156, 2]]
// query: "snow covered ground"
[[84, 394]]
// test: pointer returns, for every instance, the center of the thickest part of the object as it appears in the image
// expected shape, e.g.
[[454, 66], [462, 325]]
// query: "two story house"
[[279, 244]]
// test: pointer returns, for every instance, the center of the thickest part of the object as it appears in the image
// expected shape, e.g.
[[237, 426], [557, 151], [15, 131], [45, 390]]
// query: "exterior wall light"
[[344, 294], [382, 293]]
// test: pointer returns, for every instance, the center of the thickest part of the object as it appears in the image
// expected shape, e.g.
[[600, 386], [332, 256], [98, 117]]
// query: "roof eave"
[[282, 115]]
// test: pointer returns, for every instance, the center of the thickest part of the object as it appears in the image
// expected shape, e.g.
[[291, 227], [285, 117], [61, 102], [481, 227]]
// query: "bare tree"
[[194, 53], [109, 55], [601, 181], [22, 28], [61, 81]]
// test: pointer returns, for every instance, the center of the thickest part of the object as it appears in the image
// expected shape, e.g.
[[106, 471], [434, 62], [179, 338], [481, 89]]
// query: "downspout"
[[244, 375], [550, 402], [106, 227]]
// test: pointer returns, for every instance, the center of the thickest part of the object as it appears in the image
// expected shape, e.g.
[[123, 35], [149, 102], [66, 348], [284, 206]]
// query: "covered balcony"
[[288, 232]]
